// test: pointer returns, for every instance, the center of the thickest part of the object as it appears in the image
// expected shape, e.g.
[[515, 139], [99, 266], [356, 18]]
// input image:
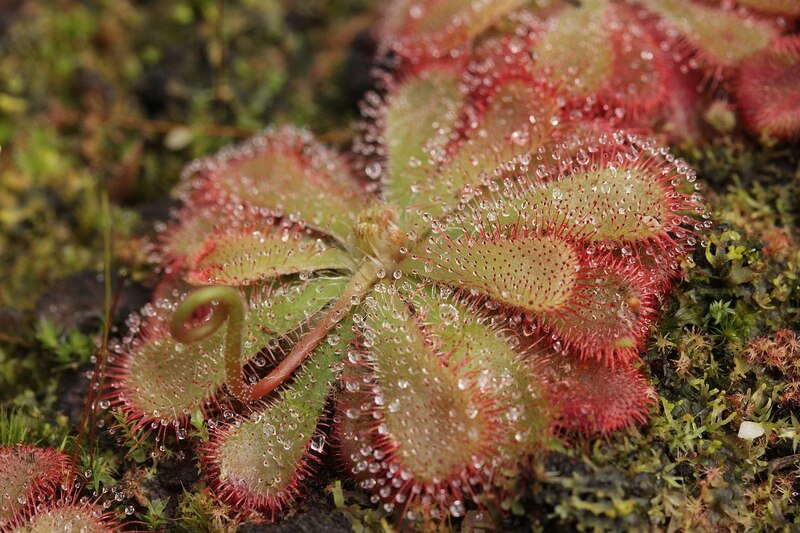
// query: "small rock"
[[750, 430]]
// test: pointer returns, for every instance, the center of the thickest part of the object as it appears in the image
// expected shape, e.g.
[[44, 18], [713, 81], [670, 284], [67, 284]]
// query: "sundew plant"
[[487, 277], [469, 287]]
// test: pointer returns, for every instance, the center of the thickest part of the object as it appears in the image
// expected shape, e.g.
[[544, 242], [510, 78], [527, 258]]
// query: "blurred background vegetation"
[[118, 95]]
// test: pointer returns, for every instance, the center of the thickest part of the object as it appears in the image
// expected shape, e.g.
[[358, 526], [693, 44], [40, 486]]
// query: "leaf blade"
[[247, 255]]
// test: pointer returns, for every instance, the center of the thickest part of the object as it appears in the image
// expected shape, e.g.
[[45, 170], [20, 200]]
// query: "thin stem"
[[364, 278], [231, 307], [219, 67], [89, 414]]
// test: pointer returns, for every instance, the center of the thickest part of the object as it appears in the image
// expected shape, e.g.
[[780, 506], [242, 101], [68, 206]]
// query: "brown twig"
[[89, 414], [63, 116]]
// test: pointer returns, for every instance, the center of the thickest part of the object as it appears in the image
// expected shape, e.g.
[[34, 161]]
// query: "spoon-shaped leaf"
[[245, 255], [592, 398], [778, 7], [768, 89], [512, 119], [68, 516], [259, 461], [721, 36], [580, 65], [283, 170], [482, 349], [412, 27], [432, 433], [611, 312], [419, 122], [534, 272], [613, 189]]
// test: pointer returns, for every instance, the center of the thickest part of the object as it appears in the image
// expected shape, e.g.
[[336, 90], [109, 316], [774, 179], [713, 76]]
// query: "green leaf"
[[420, 119], [609, 204], [619, 193], [723, 36], [597, 306], [84, 518], [576, 50], [246, 255], [430, 423], [485, 352], [437, 397], [778, 7], [445, 23], [259, 462], [534, 272], [514, 120], [286, 171]]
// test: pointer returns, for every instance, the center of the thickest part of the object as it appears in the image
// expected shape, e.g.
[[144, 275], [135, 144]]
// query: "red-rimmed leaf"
[[576, 48], [609, 315], [722, 37], [65, 513], [419, 121], [534, 272], [592, 398], [413, 27], [614, 70], [248, 254], [484, 349], [285, 171], [768, 89], [510, 118], [615, 189], [29, 475], [260, 461], [432, 432], [777, 7]]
